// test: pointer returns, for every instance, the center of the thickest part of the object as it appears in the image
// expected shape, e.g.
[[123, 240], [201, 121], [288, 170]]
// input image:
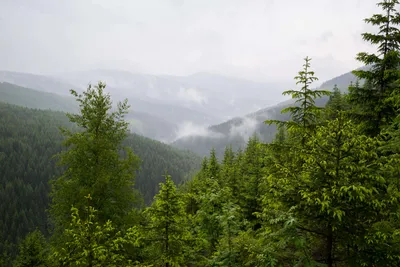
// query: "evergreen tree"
[[252, 185], [213, 166], [33, 251], [87, 242], [304, 116], [374, 98], [167, 232], [339, 204], [93, 162], [336, 104]]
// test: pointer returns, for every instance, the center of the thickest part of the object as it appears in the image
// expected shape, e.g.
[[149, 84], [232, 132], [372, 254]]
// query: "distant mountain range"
[[141, 123], [237, 131], [163, 107], [173, 109]]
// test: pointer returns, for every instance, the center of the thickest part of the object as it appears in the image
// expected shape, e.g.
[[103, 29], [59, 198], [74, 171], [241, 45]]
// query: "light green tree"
[[87, 242], [305, 115]]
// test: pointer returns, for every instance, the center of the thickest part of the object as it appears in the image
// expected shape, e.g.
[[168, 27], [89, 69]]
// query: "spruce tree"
[[88, 242], [167, 232], [382, 73], [33, 251], [305, 115], [95, 163], [336, 104]]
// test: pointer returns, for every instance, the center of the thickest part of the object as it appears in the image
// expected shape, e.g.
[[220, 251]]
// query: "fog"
[[262, 40], [189, 128]]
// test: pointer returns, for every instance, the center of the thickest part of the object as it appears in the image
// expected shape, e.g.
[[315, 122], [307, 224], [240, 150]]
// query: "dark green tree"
[[336, 104], [167, 231], [373, 99], [33, 251]]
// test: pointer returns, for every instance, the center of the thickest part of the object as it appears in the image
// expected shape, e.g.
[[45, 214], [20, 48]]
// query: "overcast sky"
[[263, 40]]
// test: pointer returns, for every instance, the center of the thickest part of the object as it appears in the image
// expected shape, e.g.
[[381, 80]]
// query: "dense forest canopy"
[[324, 192]]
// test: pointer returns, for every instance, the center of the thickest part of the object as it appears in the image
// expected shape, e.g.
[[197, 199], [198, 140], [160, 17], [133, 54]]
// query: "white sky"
[[263, 40]]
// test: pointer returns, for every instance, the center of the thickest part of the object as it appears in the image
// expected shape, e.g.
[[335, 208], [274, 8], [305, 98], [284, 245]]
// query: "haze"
[[261, 40]]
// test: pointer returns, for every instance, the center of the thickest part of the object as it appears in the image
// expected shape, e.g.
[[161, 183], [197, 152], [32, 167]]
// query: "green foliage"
[[93, 161], [33, 251], [28, 140], [324, 192], [87, 242], [336, 104], [167, 232], [305, 116], [374, 99]]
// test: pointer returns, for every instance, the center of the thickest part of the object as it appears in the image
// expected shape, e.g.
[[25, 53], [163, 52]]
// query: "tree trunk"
[[329, 246]]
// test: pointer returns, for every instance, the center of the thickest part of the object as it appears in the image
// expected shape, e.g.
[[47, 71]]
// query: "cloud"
[[188, 128], [246, 129], [191, 95], [256, 39]]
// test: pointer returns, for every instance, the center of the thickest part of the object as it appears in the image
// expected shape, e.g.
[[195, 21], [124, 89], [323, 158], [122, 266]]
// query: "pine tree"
[[93, 161], [374, 98]]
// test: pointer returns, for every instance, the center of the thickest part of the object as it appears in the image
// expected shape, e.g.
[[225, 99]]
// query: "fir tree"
[[88, 242], [33, 251], [167, 231], [93, 161], [336, 104], [374, 98], [304, 116]]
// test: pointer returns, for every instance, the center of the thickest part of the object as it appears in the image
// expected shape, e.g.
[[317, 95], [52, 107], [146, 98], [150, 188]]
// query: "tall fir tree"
[[305, 115], [374, 98], [167, 232], [95, 162]]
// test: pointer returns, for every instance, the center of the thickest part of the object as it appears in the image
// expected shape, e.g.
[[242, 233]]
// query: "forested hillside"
[[140, 122], [21, 96], [324, 192], [29, 138], [236, 131]]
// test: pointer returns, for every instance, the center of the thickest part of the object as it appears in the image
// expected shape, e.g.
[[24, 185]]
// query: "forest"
[[324, 192]]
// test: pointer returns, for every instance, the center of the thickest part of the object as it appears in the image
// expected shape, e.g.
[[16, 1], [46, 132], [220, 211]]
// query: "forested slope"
[[28, 140], [140, 122]]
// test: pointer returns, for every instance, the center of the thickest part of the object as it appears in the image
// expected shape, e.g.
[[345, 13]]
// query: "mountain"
[[38, 82], [216, 96], [140, 122], [176, 103], [236, 131], [21, 96], [28, 140], [231, 96]]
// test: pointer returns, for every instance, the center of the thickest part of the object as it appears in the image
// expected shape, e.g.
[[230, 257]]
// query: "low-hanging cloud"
[[191, 95], [245, 129], [189, 128]]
